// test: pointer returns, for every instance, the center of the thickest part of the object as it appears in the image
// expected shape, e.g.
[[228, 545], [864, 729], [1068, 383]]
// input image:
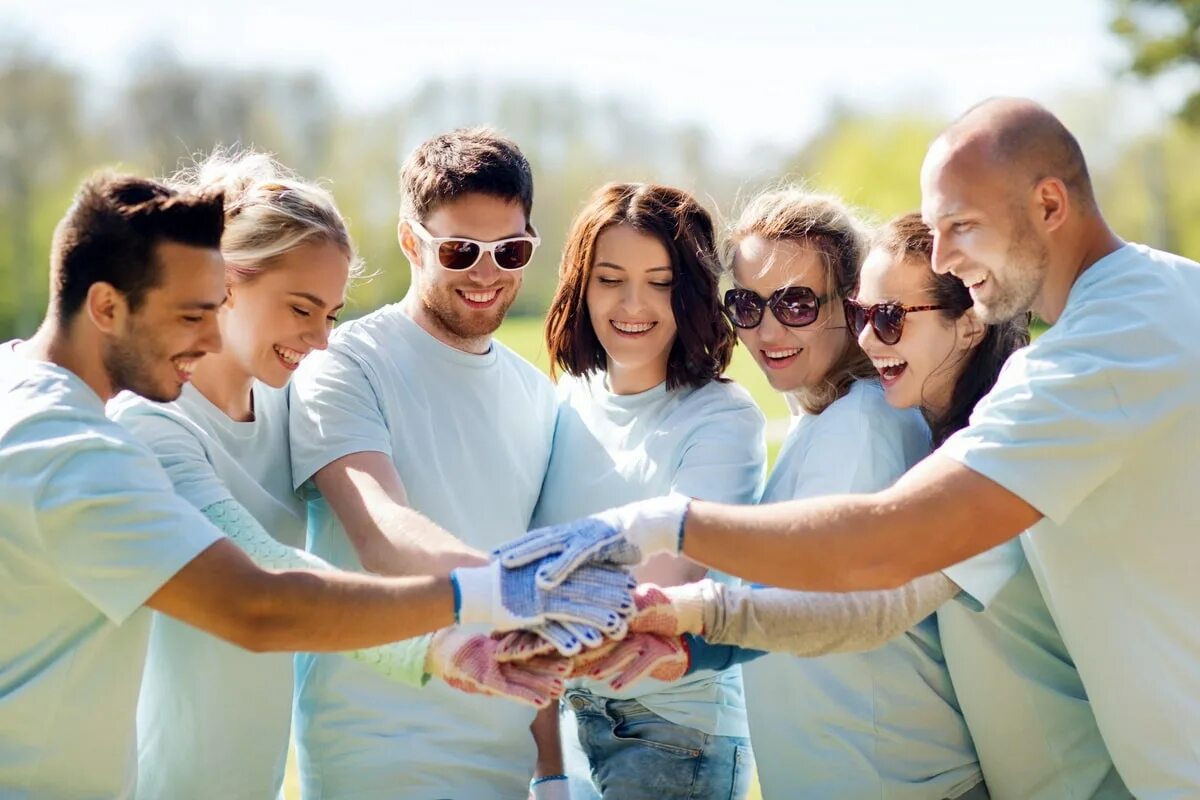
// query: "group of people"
[[967, 575]]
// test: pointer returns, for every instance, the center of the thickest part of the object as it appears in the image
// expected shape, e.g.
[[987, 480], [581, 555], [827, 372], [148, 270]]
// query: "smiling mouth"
[[184, 367], [479, 299], [778, 359], [290, 358], [890, 369], [632, 328]]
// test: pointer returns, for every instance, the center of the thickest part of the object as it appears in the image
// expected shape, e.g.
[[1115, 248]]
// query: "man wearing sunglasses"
[[1089, 444], [416, 407]]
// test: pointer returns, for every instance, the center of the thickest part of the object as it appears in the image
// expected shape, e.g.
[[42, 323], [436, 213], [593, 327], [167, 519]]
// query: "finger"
[[654, 653], [533, 546], [558, 636], [547, 684], [522, 694], [588, 636], [563, 609], [521, 646]]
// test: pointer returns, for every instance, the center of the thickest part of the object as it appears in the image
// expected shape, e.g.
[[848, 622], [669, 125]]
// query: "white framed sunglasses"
[[458, 254]]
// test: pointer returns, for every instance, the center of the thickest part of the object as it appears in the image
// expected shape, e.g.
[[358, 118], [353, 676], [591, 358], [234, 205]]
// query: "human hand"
[[468, 662]]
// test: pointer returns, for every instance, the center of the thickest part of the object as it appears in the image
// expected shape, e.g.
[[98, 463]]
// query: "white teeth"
[[633, 327], [185, 365], [481, 297], [781, 353], [288, 355], [884, 363]]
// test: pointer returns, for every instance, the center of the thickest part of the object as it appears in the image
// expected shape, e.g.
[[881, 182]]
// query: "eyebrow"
[[200, 305], [611, 265], [316, 301]]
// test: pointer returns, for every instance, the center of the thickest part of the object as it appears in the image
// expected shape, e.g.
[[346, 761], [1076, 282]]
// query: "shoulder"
[[862, 419], [533, 379], [147, 418], [727, 401]]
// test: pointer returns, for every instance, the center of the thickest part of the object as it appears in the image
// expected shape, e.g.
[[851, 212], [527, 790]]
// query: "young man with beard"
[[415, 406], [93, 534], [1089, 443]]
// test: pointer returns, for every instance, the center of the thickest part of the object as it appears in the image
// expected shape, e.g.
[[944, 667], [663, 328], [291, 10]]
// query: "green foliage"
[[1163, 37]]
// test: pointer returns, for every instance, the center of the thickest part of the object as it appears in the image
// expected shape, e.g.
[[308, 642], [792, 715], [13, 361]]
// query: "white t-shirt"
[[1097, 425], [881, 724], [214, 719], [1020, 693], [90, 528], [470, 436], [614, 449]]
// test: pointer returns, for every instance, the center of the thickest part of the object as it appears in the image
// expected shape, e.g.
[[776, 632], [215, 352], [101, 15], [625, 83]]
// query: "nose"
[[867, 338], [770, 329], [317, 337], [485, 272], [210, 335], [942, 253], [632, 298]]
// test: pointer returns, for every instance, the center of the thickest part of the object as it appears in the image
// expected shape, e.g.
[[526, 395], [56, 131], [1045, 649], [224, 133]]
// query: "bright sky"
[[750, 71]]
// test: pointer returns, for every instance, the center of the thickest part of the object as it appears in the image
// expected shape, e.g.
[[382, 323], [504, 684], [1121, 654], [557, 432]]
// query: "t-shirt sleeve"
[[181, 455], [110, 520], [333, 412], [982, 577], [726, 458], [1066, 410]]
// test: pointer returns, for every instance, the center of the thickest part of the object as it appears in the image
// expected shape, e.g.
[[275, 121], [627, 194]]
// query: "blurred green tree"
[[1164, 39]]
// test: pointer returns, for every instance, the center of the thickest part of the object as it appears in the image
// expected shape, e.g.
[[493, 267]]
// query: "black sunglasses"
[[793, 306], [887, 319]]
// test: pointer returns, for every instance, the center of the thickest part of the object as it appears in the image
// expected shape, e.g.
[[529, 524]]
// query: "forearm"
[[544, 730], [814, 623], [938, 514], [401, 661], [340, 611]]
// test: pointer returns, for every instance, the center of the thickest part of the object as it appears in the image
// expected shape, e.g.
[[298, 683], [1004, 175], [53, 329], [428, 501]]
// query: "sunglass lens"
[[889, 322], [458, 255], [743, 307], [856, 317], [513, 255], [797, 307]]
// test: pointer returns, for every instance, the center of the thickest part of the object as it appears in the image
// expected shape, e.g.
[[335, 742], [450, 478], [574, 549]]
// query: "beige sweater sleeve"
[[817, 623]]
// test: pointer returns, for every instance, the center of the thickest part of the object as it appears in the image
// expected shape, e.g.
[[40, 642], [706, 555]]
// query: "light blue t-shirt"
[[1020, 693], [614, 449], [1096, 424], [90, 529], [214, 719], [470, 436], [882, 724]]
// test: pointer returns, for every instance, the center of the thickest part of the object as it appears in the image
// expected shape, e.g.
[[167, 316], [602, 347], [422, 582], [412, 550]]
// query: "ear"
[[1053, 203], [409, 244], [106, 307], [970, 330]]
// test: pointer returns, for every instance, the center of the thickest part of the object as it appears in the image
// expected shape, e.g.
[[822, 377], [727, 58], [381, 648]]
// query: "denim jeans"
[[635, 754]]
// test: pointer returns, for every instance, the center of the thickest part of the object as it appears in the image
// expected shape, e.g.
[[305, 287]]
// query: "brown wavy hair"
[[908, 237], [704, 338]]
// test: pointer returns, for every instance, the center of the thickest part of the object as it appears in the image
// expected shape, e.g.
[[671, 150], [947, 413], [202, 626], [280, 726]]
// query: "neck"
[[415, 310], [66, 347], [226, 384], [1093, 242], [634, 380]]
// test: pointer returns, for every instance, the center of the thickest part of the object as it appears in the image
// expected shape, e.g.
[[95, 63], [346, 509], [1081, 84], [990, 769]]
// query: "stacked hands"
[[564, 605]]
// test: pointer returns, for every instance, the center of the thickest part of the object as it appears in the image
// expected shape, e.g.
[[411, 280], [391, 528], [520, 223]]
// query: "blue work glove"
[[620, 536], [508, 599]]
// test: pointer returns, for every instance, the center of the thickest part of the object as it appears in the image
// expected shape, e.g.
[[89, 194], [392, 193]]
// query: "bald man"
[[1089, 444]]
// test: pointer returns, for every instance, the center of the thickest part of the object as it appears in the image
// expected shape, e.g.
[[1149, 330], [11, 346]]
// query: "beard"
[[453, 317], [1025, 265], [132, 361]]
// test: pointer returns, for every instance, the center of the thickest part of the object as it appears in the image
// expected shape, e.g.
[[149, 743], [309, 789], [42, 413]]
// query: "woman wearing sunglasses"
[[212, 715], [1019, 691], [879, 724], [637, 328]]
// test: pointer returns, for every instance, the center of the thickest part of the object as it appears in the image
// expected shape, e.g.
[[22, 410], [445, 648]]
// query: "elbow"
[[256, 622]]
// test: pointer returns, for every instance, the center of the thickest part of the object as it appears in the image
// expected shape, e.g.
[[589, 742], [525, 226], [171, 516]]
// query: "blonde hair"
[[824, 224], [269, 211]]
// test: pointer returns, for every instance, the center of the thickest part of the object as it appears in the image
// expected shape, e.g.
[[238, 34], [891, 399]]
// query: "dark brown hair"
[[110, 232], [464, 161], [824, 224], [907, 237], [704, 339]]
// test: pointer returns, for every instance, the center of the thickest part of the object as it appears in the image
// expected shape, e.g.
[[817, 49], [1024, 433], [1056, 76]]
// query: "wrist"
[[475, 593], [691, 602]]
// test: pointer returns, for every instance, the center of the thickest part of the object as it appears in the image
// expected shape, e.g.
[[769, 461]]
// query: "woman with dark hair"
[[637, 328], [1019, 691]]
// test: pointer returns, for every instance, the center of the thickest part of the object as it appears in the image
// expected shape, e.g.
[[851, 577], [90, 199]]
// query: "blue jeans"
[[634, 753]]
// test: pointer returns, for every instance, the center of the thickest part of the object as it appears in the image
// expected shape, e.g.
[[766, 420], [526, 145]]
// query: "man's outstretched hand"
[[468, 662], [623, 536]]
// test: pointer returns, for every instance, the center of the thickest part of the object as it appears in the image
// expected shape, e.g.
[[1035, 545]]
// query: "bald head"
[[1023, 141]]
